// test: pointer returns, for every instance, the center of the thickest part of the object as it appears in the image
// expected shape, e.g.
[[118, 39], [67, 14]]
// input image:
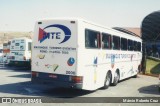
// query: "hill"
[[6, 36]]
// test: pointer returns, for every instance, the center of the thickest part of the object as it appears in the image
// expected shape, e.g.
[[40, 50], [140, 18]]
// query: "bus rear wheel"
[[107, 80], [116, 78]]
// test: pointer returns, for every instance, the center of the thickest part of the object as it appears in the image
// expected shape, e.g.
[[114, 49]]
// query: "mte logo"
[[43, 34]]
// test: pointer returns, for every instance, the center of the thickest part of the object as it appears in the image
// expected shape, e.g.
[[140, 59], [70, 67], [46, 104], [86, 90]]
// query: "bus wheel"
[[116, 78], [107, 80], [135, 76]]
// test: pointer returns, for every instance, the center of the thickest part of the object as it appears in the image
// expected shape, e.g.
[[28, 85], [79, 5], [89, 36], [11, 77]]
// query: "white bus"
[[1, 53], [20, 52], [80, 54], [6, 52]]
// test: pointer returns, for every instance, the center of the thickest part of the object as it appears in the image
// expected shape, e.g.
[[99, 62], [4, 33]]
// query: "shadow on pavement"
[[129, 78], [22, 76], [29, 89], [66, 92], [16, 69], [152, 89]]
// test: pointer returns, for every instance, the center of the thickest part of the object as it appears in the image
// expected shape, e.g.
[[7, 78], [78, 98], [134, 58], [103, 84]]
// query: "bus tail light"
[[76, 79], [34, 74]]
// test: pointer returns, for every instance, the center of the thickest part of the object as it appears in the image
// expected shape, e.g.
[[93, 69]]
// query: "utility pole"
[[30, 34]]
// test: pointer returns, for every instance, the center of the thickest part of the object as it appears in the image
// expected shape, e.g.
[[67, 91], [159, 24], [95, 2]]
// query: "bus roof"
[[86, 21], [21, 38]]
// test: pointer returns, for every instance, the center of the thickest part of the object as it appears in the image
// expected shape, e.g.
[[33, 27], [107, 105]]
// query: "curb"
[[152, 75]]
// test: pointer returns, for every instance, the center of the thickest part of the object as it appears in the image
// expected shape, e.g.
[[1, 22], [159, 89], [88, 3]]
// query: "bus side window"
[[95, 43], [113, 47], [92, 39], [1, 50], [123, 44], [29, 46], [130, 45], [135, 46], [116, 43], [106, 41], [139, 46]]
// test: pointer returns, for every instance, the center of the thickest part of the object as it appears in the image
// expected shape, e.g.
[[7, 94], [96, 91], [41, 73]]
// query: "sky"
[[21, 15]]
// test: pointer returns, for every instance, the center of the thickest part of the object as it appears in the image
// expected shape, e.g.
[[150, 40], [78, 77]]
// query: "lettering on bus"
[[55, 50], [118, 56], [44, 34], [70, 72]]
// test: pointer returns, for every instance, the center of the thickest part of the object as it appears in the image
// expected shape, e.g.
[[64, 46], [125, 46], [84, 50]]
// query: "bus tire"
[[107, 80], [135, 76], [116, 78]]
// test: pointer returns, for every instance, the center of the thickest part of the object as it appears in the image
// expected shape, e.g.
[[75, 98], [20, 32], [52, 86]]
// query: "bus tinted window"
[[16, 44], [106, 41], [135, 46], [139, 46], [116, 43], [92, 39], [21, 47], [123, 44], [29, 46], [1, 50], [130, 45]]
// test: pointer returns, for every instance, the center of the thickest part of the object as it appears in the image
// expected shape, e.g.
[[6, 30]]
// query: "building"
[[151, 33], [130, 30]]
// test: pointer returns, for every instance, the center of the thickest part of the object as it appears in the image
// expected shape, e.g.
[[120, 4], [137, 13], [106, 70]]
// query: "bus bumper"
[[159, 87], [20, 63], [58, 81]]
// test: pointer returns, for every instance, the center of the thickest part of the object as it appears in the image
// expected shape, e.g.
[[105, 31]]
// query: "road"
[[16, 82]]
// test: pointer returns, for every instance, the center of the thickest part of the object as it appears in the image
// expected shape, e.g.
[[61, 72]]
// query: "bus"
[[76, 53], [6, 52], [1, 53], [20, 52]]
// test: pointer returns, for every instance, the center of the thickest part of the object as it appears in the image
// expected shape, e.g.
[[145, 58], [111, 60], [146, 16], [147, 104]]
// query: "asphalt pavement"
[[16, 82]]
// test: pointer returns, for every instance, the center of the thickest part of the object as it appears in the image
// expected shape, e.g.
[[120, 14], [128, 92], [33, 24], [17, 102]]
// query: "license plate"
[[53, 76]]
